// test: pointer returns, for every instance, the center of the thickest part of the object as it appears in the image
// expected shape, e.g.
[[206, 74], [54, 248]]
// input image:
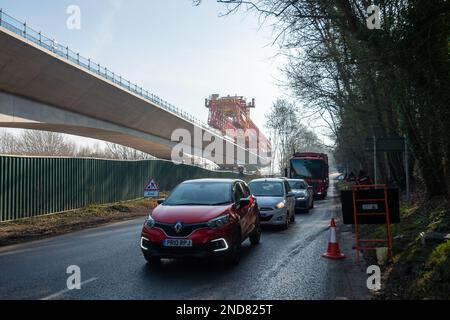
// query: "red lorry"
[[313, 168]]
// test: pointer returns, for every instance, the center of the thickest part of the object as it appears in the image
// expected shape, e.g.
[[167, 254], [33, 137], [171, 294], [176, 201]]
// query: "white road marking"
[[60, 293]]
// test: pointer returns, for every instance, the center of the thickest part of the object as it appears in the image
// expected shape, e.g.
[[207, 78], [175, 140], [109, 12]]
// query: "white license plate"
[[177, 243], [370, 206]]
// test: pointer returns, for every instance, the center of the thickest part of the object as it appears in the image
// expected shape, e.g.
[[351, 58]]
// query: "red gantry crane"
[[232, 113]]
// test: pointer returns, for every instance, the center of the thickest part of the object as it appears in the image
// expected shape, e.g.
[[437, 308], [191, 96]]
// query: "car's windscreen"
[[266, 189], [201, 194], [303, 169], [297, 185]]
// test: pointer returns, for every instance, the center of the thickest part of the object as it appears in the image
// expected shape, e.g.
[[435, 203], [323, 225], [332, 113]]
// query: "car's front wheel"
[[255, 237], [285, 225], [234, 255]]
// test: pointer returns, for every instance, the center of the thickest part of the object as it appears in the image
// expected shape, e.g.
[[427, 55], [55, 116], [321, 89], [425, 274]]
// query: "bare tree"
[[289, 134], [365, 83], [8, 144], [119, 152], [95, 151], [43, 143]]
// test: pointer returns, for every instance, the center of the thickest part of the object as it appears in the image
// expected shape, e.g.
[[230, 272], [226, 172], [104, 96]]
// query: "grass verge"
[[418, 271], [94, 215], [341, 186]]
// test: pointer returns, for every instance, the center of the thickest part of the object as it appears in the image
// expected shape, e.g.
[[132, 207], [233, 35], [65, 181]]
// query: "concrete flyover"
[[41, 90]]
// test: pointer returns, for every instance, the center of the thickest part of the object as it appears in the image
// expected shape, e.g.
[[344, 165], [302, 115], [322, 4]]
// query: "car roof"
[[269, 180], [213, 180]]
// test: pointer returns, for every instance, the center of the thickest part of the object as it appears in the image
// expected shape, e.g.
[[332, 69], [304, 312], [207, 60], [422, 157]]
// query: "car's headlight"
[[281, 205], [219, 222], [150, 222]]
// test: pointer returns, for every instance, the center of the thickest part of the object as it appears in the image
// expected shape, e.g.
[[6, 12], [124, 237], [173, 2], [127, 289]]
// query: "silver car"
[[276, 201]]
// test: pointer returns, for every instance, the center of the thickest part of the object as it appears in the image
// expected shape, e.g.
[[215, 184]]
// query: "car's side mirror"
[[310, 188], [160, 201], [244, 202]]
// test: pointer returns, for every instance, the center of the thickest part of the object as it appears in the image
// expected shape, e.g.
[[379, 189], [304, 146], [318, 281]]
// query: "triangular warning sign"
[[152, 185]]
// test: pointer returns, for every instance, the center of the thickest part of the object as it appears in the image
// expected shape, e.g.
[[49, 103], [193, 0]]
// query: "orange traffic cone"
[[333, 246]]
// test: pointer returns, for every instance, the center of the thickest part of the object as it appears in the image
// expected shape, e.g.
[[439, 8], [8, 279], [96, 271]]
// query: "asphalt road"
[[286, 265]]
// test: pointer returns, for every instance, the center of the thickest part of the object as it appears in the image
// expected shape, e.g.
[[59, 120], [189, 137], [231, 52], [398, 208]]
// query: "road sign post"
[[395, 144]]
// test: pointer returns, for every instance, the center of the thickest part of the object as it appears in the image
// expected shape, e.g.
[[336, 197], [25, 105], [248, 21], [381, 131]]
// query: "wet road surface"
[[286, 265]]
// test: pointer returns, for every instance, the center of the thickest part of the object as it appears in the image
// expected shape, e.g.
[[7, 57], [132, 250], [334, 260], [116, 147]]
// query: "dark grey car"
[[304, 195]]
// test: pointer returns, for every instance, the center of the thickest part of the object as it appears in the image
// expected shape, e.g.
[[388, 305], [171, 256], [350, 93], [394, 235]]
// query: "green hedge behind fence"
[[37, 186]]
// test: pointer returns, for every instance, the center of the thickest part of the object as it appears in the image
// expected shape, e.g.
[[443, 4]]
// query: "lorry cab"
[[314, 169]]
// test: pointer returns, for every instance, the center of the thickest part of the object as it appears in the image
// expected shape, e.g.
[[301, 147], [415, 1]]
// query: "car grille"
[[266, 209], [187, 229], [265, 219]]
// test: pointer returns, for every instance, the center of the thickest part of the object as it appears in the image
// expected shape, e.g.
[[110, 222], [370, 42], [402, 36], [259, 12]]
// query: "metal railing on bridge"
[[31, 186], [24, 31]]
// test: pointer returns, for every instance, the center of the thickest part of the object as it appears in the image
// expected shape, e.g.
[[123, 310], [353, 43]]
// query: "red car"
[[202, 218]]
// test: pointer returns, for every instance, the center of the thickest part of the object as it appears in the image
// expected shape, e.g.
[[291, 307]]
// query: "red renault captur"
[[201, 218]]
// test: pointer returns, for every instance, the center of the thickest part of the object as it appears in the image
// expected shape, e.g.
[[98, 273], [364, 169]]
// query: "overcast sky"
[[180, 52]]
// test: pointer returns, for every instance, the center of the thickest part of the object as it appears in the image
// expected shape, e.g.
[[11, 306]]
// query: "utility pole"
[[407, 169], [375, 173]]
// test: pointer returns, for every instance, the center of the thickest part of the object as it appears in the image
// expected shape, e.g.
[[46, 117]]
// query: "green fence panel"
[[36, 186]]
